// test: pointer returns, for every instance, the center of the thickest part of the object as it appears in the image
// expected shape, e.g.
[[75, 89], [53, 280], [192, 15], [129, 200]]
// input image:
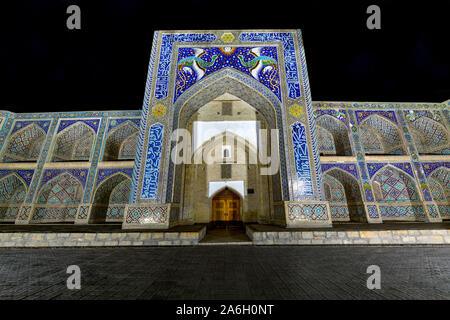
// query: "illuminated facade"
[[337, 161]]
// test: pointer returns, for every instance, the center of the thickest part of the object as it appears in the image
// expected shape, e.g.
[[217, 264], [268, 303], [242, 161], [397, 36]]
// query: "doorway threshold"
[[226, 236]]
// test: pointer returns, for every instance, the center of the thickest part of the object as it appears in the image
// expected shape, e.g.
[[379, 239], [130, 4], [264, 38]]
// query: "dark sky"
[[46, 67]]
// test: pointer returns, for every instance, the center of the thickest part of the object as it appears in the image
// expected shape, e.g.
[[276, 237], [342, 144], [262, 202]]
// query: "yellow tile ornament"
[[227, 37], [296, 110], [158, 111]]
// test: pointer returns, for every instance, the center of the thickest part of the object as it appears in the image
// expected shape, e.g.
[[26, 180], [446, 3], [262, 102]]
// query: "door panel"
[[226, 206]]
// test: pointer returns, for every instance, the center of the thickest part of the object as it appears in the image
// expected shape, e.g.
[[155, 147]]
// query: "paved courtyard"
[[226, 272]]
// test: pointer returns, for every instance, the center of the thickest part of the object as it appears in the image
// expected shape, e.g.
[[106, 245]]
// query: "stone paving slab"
[[226, 272], [269, 235]]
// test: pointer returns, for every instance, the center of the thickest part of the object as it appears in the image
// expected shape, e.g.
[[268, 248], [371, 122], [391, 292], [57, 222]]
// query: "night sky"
[[44, 67]]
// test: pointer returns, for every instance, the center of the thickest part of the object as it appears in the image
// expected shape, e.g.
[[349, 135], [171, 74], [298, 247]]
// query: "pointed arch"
[[248, 90], [121, 142], [352, 195], [379, 135], [439, 183], [12, 193], [397, 195], [74, 143], [58, 199], [25, 144], [110, 199], [336, 136], [393, 185], [335, 194], [218, 140], [429, 135]]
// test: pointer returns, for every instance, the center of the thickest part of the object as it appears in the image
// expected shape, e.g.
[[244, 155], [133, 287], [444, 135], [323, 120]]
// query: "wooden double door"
[[226, 207]]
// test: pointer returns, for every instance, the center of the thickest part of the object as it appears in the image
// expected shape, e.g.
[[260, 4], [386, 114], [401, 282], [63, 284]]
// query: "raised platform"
[[353, 234], [96, 236], [69, 235]]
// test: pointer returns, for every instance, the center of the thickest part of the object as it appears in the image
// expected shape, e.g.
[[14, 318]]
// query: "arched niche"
[[74, 143]]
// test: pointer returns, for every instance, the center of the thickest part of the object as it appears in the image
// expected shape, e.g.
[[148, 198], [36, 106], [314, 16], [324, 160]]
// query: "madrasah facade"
[[228, 133]]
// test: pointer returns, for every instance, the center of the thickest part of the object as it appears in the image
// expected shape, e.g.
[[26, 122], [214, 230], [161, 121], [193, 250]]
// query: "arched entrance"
[[226, 207]]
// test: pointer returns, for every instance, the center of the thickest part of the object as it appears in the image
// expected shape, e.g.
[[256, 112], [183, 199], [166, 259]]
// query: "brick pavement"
[[226, 272]]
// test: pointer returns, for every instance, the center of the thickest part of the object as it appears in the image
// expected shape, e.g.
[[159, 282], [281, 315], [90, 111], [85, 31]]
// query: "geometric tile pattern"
[[361, 115], [93, 123], [74, 143], [379, 135], [49, 174], [148, 214], [350, 168], [118, 143], [65, 188], [121, 193], [313, 212], [325, 140], [402, 211], [373, 212], [334, 190], [339, 212], [106, 173], [429, 167], [25, 175], [25, 144], [428, 135], [395, 186], [12, 189], [339, 130]]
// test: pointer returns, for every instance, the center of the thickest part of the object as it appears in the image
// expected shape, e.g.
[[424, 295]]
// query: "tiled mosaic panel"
[[334, 190], [378, 135], [398, 211], [325, 141], [121, 193], [25, 144], [65, 188], [93, 123], [152, 163], [348, 181], [112, 194], [339, 213], [362, 115], [74, 143], [12, 189], [165, 58], [394, 186], [340, 138], [307, 212], [9, 213], [260, 63], [290, 60], [429, 167], [104, 174], [429, 135], [80, 174], [148, 214], [121, 142], [57, 214], [444, 210], [372, 211], [304, 184], [115, 213], [350, 168]]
